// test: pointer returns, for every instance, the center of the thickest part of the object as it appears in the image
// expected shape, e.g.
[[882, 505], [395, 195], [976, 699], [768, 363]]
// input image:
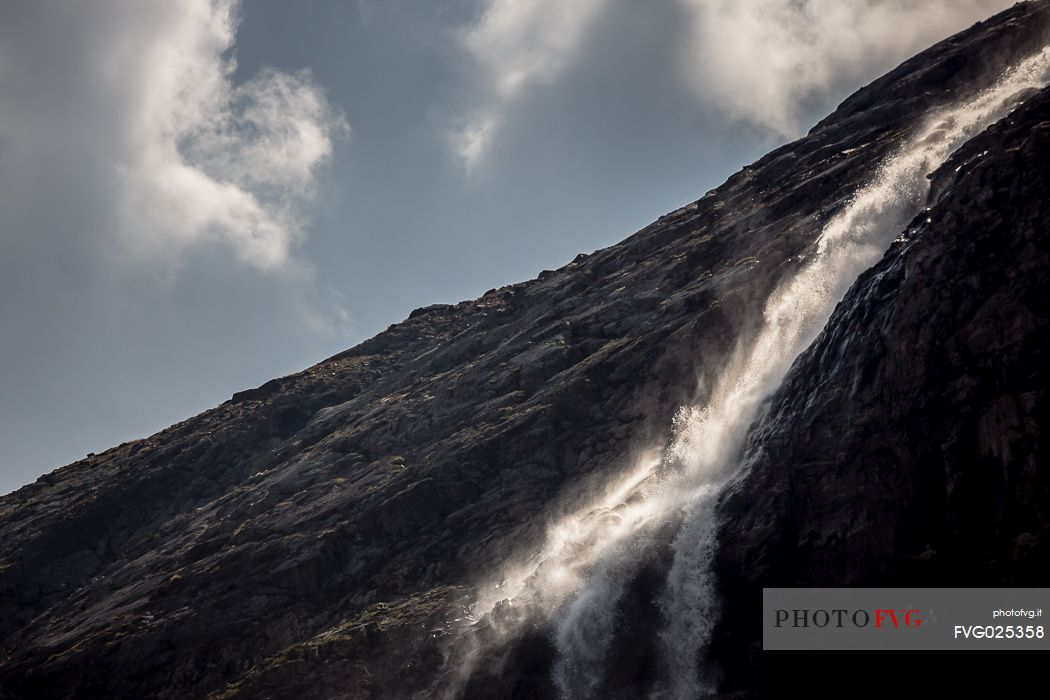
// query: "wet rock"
[[904, 447]]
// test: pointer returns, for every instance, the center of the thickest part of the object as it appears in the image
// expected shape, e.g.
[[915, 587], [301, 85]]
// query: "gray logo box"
[[922, 618]]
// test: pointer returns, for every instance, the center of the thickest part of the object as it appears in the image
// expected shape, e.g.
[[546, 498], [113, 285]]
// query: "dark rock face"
[[905, 446], [316, 537]]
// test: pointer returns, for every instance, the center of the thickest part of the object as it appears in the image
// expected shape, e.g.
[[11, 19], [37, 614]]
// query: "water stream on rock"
[[578, 576], [708, 440]]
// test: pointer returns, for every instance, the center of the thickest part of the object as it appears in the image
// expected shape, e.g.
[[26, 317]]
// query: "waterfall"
[[577, 577], [708, 440]]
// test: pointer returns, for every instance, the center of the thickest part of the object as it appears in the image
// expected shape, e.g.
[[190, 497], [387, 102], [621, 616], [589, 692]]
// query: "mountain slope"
[[307, 537], [905, 446]]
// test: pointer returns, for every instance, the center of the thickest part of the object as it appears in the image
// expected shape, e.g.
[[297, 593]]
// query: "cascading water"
[[850, 243], [579, 574]]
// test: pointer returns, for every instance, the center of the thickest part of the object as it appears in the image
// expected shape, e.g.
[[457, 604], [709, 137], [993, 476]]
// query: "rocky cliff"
[[319, 536], [904, 448]]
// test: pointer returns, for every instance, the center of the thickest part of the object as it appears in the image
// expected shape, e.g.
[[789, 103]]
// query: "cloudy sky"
[[199, 195]]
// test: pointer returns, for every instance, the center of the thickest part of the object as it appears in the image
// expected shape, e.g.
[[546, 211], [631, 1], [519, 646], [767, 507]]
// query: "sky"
[[199, 196]]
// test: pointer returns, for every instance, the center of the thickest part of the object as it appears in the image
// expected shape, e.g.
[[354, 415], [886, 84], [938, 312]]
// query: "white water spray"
[[580, 572], [709, 440]]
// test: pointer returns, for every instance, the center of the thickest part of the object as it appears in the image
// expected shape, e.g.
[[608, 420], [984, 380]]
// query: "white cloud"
[[139, 97], [151, 202], [517, 44], [760, 60], [213, 160]]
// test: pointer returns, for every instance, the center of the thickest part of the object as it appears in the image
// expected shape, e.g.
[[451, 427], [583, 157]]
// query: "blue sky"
[[196, 197]]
